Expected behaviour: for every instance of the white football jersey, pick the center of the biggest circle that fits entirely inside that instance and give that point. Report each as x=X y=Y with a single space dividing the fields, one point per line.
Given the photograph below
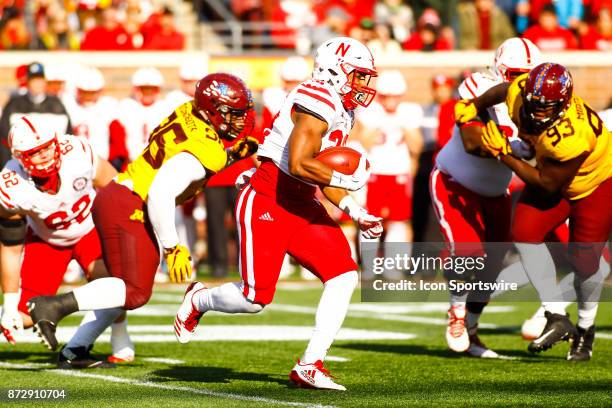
x=485 y=176
x=138 y=121
x=62 y=218
x=320 y=99
x=93 y=122
x=391 y=156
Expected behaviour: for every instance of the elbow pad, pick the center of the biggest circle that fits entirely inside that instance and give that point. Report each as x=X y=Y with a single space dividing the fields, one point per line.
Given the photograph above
x=12 y=232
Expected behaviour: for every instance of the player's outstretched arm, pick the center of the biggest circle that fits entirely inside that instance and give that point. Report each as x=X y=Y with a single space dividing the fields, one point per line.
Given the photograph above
x=552 y=175
x=171 y=180
x=105 y=172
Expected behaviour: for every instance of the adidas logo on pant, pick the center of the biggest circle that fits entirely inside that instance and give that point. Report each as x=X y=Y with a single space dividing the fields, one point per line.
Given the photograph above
x=266 y=217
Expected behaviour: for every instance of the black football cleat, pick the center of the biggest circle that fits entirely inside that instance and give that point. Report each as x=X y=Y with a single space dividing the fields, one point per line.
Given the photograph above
x=46 y=312
x=80 y=358
x=558 y=328
x=582 y=344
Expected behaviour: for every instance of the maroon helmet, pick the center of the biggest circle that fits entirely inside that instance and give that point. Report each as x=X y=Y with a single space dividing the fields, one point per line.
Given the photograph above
x=546 y=95
x=226 y=102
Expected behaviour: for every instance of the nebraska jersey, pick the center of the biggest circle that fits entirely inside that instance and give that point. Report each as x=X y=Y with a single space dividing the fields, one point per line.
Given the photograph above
x=482 y=175
x=93 y=122
x=580 y=130
x=322 y=101
x=138 y=121
x=63 y=218
x=182 y=131
x=391 y=156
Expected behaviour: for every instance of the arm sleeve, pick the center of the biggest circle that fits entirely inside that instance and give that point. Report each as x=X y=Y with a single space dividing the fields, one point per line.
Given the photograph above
x=166 y=186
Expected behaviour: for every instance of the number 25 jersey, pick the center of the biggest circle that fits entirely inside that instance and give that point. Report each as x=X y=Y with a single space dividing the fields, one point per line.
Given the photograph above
x=579 y=130
x=183 y=131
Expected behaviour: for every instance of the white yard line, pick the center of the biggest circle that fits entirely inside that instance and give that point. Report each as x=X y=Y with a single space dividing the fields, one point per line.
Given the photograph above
x=163 y=360
x=375 y=316
x=607 y=336
x=337 y=359
x=209 y=333
x=148 y=384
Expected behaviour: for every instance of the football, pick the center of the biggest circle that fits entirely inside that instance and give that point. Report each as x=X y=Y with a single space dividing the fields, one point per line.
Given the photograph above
x=340 y=158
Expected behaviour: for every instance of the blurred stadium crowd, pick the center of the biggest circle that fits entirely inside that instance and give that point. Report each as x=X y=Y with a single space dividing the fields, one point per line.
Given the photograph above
x=386 y=26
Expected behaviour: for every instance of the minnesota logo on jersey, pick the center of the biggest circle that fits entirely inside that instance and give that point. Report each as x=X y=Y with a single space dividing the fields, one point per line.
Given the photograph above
x=580 y=130
x=182 y=131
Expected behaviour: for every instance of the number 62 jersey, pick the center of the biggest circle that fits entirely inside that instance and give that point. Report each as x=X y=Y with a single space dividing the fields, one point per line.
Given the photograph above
x=59 y=219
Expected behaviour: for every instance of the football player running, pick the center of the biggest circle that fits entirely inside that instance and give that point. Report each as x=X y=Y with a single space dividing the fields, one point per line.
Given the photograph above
x=277 y=212
x=572 y=180
x=136 y=209
x=469 y=191
x=49 y=186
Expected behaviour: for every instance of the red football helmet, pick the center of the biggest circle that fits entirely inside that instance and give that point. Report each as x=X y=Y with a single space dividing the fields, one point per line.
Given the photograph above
x=226 y=102
x=546 y=95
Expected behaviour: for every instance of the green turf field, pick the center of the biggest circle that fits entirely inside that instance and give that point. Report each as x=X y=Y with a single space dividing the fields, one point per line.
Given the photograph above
x=406 y=364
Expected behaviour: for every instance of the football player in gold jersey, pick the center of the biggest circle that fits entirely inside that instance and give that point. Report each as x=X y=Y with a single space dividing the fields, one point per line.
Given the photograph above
x=137 y=209
x=572 y=180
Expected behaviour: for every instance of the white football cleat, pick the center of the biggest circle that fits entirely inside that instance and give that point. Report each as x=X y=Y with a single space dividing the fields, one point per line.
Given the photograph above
x=188 y=316
x=313 y=376
x=533 y=327
x=477 y=348
x=457 y=336
x=123 y=348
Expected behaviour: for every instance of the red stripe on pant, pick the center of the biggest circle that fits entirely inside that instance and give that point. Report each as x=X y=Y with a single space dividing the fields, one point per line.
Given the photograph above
x=241 y=207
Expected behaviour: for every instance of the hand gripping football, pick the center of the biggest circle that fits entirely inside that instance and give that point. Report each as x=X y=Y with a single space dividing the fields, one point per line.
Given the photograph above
x=342 y=159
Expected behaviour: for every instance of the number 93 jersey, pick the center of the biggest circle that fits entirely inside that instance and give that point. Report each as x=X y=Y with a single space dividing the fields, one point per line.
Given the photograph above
x=579 y=130
x=183 y=131
x=63 y=218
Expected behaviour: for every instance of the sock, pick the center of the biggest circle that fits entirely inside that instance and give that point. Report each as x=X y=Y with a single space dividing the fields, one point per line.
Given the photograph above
x=458 y=300
x=512 y=273
x=540 y=269
x=226 y=298
x=471 y=320
x=103 y=293
x=588 y=292
x=120 y=338
x=587 y=312
x=331 y=312
x=93 y=324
